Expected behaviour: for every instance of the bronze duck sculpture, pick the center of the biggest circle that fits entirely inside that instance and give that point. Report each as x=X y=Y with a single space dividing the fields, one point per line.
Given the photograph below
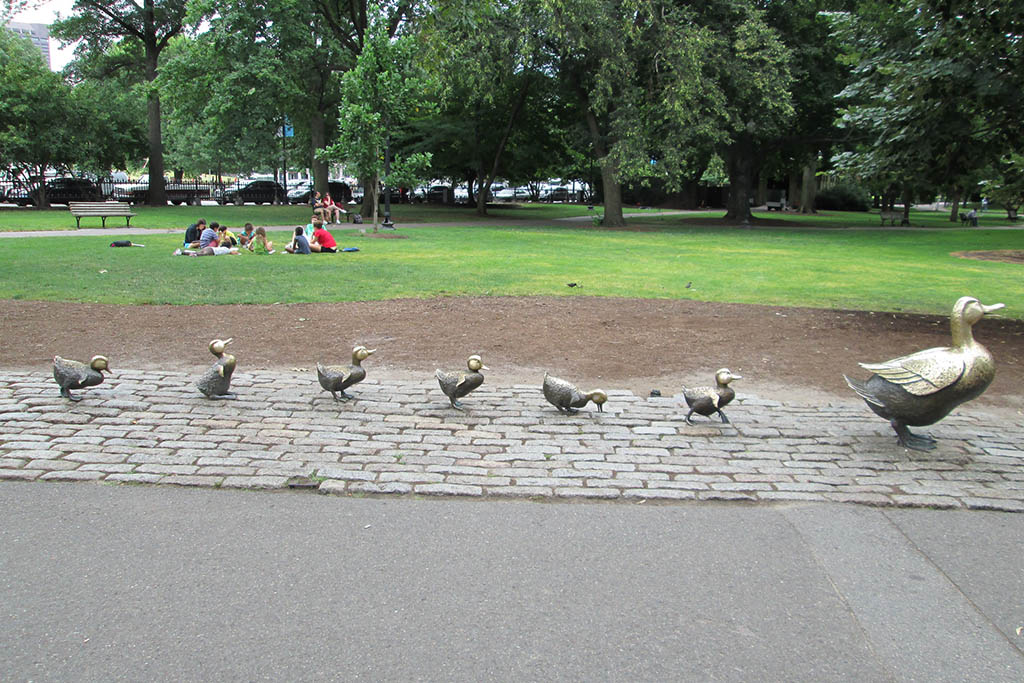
x=456 y=385
x=707 y=401
x=216 y=381
x=73 y=374
x=337 y=378
x=567 y=398
x=922 y=388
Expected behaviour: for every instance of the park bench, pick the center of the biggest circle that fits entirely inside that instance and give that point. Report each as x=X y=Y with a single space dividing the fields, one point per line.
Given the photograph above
x=892 y=217
x=81 y=210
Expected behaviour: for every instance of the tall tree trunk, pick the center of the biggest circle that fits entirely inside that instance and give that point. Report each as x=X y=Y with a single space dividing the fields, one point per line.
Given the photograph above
x=793 y=195
x=762 y=189
x=740 y=165
x=157 y=195
x=954 y=212
x=376 y=200
x=907 y=199
x=809 y=186
x=481 y=202
x=609 y=177
x=318 y=140
x=369 y=206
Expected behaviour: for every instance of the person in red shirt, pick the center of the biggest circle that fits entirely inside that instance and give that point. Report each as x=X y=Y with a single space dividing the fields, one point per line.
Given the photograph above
x=322 y=242
x=332 y=212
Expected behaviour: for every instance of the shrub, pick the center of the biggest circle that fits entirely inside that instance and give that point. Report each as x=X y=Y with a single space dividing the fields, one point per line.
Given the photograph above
x=843 y=197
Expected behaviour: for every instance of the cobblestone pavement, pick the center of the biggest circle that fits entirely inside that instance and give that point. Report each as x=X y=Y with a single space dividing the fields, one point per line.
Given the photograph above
x=401 y=437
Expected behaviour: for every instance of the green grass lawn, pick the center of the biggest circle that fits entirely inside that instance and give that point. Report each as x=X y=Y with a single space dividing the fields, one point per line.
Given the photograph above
x=879 y=270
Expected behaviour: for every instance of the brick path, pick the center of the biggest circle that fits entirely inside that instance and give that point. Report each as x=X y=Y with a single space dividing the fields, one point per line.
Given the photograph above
x=401 y=437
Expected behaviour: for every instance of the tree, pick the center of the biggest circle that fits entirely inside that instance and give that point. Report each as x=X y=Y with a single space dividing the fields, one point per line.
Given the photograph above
x=37 y=121
x=818 y=75
x=380 y=94
x=937 y=94
x=347 y=22
x=1005 y=184
x=151 y=24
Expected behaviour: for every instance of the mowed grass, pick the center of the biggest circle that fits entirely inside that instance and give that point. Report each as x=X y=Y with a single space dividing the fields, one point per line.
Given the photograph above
x=878 y=270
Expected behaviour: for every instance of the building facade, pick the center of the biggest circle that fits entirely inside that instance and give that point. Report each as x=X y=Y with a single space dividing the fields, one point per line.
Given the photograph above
x=39 y=34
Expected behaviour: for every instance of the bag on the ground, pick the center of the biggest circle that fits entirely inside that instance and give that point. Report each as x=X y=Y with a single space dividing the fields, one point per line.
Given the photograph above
x=357 y=218
x=121 y=243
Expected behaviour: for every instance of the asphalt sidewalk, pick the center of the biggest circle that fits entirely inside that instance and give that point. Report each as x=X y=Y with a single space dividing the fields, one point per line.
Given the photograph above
x=168 y=583
x=401 y=437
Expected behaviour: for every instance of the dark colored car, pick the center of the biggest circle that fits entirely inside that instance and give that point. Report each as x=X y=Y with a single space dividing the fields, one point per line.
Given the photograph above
x=255 y=191
x=59 y=191
x=440 y=194
x=340 y=192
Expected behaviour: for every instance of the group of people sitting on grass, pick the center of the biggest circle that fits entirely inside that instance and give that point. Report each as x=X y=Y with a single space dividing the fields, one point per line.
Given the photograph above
x=216 y=240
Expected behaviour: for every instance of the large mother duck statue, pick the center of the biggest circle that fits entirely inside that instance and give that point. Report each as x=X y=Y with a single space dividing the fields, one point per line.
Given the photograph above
x=922 y=388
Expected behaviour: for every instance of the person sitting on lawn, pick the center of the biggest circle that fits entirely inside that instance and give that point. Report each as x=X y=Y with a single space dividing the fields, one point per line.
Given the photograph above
x=323 y=242
x=208 y=237
x=259 y=244
x=246 y=235
x=193 y=232
x=226 y=238
x=299 y=243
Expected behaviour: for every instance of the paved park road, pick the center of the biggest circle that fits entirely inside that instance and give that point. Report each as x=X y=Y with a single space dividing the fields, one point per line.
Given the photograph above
x=104 y=583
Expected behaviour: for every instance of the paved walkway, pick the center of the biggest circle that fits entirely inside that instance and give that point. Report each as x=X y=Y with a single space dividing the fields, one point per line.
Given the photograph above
x=401 y=437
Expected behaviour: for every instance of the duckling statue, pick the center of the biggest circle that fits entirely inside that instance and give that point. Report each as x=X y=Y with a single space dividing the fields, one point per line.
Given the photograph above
x=456 y=385
x=567 y=398
x=337 y=378
x=922 y=388
x=72 y=374
x=216 y=382
x=707 y=401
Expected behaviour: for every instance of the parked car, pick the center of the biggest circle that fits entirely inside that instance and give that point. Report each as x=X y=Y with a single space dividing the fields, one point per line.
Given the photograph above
x=440 y=194
x=255 y=191
x=340 y=192
x=512 y=194
x=58 y=191
x=298 y=192
x=191 y=193
x=556 y=194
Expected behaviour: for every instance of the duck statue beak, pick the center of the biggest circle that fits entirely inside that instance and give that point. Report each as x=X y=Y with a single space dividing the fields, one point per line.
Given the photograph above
x=993 y=307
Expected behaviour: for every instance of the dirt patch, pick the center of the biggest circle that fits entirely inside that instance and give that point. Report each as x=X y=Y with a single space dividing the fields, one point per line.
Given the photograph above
x=797 y=354
x=1004 y=255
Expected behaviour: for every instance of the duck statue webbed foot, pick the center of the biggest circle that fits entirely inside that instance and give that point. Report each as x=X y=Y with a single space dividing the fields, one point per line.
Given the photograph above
x=215 y=383
x=707 y=401
x=567 y=398
x=73 y=374
x=922 y=388
x=908 y=439
x=456 y=385
x=337 y=378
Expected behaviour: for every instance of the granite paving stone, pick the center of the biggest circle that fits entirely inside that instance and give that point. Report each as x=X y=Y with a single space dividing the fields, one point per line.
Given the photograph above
x=399 y=437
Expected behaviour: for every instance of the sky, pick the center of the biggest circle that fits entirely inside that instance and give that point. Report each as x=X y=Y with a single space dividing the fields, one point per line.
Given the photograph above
x=46 y=13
